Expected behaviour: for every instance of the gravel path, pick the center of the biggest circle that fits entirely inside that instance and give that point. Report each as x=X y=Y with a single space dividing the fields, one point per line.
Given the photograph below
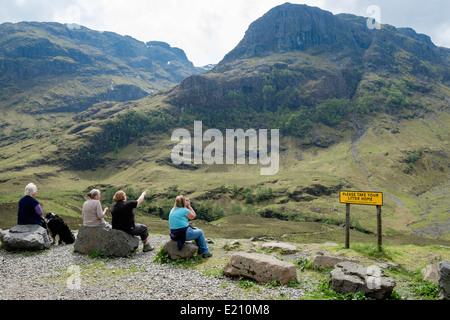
x=61 y=274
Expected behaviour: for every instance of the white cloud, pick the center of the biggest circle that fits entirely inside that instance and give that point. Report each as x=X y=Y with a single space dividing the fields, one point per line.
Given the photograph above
x=442 y=35
x=20 y=3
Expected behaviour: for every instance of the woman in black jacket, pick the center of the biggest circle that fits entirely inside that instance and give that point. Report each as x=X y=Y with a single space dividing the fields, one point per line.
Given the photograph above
x=123 y=217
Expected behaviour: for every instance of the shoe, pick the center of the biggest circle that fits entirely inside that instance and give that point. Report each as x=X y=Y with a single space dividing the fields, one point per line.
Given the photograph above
x=148 y=247
x=207 y=255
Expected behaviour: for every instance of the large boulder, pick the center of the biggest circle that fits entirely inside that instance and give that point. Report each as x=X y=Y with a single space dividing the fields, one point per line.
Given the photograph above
x=349 y=277
x=28 y=237
x=187 y=252
x=430 y=273
x=283 y=247
x=444 y=280
x=260 y=267
x=327 y=261
x=107 y=242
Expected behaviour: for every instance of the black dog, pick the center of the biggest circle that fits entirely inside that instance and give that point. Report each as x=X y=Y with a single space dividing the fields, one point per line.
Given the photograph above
x=58 y=228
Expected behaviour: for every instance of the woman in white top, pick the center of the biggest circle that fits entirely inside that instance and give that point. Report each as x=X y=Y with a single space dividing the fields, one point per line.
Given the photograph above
x=92 y=213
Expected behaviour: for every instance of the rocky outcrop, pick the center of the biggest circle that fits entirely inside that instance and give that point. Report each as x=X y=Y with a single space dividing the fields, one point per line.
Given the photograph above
x=105 y=242
x=349 y=277
x=260 y=267
x=309 y=193
x=28 y=237
x=430 y=273
x=291 y=27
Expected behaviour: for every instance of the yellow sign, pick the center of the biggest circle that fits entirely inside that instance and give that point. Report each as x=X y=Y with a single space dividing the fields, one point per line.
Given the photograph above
x=361 y=197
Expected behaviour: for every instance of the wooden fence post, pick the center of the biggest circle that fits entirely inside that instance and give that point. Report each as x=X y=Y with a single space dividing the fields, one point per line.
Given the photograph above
x=347 y=226
x=380 y=244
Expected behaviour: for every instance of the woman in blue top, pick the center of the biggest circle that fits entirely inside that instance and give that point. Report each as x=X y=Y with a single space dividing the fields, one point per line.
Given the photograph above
x=180 y=229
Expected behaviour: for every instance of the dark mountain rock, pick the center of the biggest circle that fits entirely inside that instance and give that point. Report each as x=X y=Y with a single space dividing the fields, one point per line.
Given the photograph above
x=305 y=65
x=79 y=67
x=292 y=27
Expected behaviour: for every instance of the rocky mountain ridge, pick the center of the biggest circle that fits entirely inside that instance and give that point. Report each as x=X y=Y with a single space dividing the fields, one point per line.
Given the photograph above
x=52 y=67
x=296 y=55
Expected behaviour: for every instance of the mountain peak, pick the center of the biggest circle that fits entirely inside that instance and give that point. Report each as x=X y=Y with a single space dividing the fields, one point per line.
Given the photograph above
x=96 y=66
x=289 y=27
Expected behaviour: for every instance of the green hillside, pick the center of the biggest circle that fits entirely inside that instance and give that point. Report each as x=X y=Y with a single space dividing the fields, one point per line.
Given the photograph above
x=357 y=109
x=50 y=67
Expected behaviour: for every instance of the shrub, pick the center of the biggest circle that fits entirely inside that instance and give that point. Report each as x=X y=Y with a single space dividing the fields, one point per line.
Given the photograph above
x=236 y=209
x=249 y=198
x=173 y=192
x=161 y=208
x=426 y=290
x=235 y=191
x=331 y=112
x=263 y=194
x=412 y=158
x=208 y=211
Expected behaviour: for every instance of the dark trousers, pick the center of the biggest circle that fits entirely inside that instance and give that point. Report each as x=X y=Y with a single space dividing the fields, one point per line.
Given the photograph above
x=140 y=230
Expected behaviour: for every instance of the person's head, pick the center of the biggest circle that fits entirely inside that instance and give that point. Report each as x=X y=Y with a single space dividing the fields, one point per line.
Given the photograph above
x=94 y=194
x=119 y=196
x=180 y=202
x=31 y=190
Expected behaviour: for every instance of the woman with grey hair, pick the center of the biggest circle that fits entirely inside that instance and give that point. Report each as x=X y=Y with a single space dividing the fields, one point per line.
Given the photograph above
x=92 y=213
x=30 y=211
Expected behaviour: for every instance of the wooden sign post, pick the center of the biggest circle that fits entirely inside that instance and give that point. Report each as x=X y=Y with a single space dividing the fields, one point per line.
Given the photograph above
x=365 y=198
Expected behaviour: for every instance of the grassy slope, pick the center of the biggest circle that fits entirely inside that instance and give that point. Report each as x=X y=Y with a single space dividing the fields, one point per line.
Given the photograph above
x=416 y=194
x=145 y=166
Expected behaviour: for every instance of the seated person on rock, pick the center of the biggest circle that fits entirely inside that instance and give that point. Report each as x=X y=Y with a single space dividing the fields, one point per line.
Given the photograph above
x=123 y=217
x=30 y=211
x=181 y=230
x=92 y=213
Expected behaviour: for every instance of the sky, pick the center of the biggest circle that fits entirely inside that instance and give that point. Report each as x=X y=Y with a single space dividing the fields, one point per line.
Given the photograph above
x=208 y=29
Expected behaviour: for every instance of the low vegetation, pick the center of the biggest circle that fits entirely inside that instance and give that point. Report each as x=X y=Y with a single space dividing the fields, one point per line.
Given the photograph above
x=315 y=281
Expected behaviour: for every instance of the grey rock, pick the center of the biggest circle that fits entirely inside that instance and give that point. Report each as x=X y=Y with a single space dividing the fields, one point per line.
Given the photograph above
x=260 y=267
x=430 y=273
x=444 y=280
x=187 y=252
x=328 y=261
x=25 y=237
x=258 y=238
x=349 y=277
x=110 y=243
x=284 y=247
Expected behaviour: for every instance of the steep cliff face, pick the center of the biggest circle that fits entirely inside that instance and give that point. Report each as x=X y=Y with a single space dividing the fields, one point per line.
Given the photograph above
x=296 y=58
x=293 y=27
x=45 y=66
